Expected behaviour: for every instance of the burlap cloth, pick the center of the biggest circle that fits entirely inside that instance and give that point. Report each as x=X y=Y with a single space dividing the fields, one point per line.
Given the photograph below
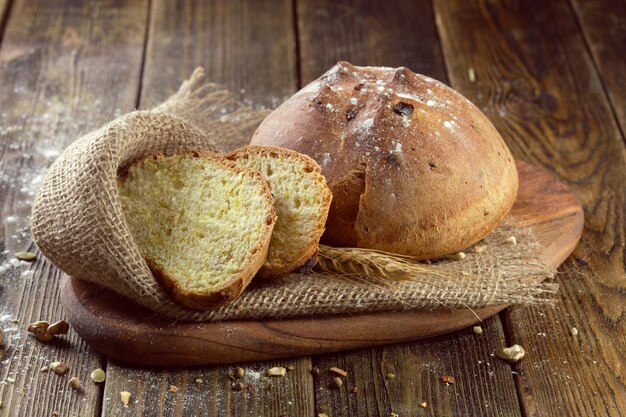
x=77 y=222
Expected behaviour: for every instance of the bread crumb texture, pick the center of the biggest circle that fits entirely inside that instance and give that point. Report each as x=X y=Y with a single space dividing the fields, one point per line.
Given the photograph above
x=302 y=200
x=197 y=218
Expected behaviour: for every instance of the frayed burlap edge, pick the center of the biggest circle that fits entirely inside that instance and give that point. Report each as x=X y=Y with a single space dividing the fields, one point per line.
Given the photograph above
x=78 y=224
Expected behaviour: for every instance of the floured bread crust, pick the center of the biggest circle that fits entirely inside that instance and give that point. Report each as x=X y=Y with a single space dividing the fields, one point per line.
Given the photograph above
x=414 y=167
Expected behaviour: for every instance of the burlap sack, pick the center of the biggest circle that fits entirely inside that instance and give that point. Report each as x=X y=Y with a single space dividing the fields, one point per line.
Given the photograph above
x=78 y=224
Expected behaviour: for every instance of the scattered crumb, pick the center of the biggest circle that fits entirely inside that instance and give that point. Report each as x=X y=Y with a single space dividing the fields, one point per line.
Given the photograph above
x=424 y=404
x=239 y=372
x=574 y=331
x=477 y=329
x=448 y=379
x=125 y=397
x=98 y=375
x=199 y=381
x=338 y=371
x=354 y=390
x=459 y=256
x=276 y=371
x=315 y=371
x=480 y=248
x=471 y=74
x=336 y=383
x=512 y=240
x=390 y=376
x=56 y=413
x=10 y=380
x=290 y=367
x=45 y=368
x=74 y=382
x=513 y=353
x=59 y=367
x=322 y=415
x=393 y=415
x=368 y=123
x=173 y=388
x=238 y=386
x=26 y=256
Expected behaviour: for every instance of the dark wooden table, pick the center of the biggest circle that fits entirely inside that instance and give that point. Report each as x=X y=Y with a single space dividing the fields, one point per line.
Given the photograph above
x=551 y=75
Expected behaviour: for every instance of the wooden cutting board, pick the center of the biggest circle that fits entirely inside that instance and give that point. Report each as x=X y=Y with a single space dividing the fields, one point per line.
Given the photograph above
x=121 y=330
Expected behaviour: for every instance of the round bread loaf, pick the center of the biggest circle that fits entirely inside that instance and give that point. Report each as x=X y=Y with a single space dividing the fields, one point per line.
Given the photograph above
x=414 y=167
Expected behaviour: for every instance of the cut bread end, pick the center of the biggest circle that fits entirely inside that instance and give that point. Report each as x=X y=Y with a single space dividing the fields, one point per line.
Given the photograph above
x=202 y=224
x=302 y=200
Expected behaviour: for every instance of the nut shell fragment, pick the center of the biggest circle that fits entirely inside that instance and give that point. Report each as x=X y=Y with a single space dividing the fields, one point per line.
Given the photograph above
x=74 y=382
x=45 y=331
x=59 y=367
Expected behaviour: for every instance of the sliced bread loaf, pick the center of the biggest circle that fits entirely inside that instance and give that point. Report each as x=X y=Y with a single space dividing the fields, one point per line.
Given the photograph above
x=202 y=224
x=302 y=201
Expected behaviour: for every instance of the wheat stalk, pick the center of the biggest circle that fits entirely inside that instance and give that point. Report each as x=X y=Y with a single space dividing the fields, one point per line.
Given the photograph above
x=378 y=265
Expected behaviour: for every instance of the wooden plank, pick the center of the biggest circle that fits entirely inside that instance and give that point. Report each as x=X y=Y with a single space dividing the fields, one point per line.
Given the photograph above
x=400 y=34
x=246 y=45
x=65 y=67
x=537 y=83
x=5 y=8
x=209 y=391
x=362 y=32
x=603 y=24
x=399 y=379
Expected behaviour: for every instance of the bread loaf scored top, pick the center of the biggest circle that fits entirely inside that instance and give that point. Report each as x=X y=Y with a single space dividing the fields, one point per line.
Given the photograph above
x=414 y=167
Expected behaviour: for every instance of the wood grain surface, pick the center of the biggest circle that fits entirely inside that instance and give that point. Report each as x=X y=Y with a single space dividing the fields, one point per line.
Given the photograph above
x=127 y=332
x=64 y=67
x=603 y=23
x=196 y=392
x=362 y=32
x=248 y=46
x=4 y=15
x=537 y=83
x=398 y=380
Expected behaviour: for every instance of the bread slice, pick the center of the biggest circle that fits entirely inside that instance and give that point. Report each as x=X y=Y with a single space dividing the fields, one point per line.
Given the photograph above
x=202 y=224
x=302 y=201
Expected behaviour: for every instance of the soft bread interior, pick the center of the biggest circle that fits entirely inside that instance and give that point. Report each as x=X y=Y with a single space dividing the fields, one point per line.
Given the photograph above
x=302 y=200
x=197 y=220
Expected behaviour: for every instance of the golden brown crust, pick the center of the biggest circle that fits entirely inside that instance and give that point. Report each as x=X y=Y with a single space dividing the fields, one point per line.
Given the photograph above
x=414 y=167
x=294 y=260
x=230 y=289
